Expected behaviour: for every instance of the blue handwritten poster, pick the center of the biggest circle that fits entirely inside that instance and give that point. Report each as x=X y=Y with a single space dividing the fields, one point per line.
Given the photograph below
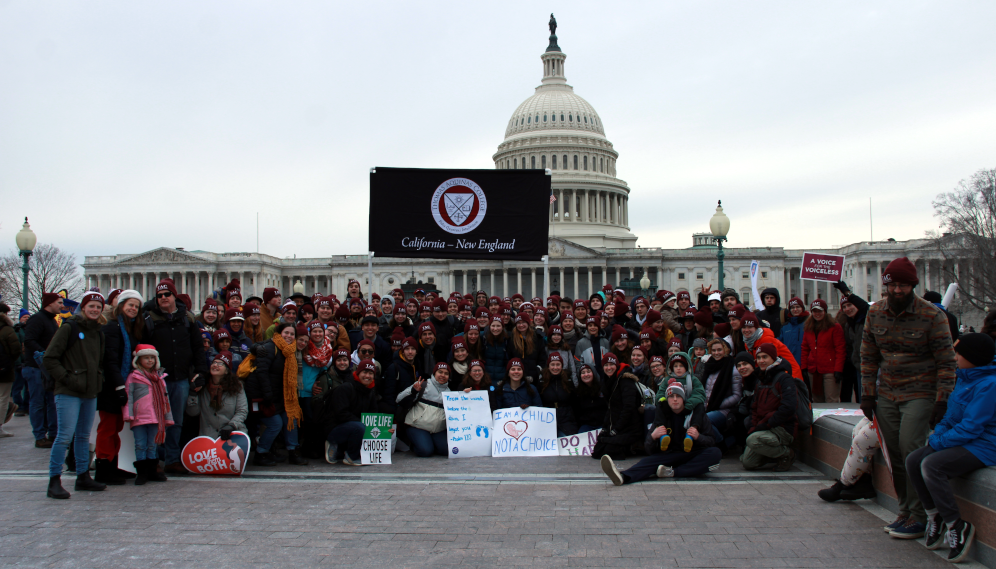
x=468 y=423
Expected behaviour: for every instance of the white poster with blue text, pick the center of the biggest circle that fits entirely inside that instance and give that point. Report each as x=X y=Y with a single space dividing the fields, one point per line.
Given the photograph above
x=525 y=432
x=468 y=423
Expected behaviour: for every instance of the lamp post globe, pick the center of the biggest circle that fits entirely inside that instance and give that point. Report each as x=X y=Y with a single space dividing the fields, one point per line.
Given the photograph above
x=645 y=283
x=298 y=287
x=719 y=225
x=25 y=240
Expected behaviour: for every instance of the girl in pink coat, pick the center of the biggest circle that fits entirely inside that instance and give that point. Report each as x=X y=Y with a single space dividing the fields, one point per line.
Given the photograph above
x=147 y=411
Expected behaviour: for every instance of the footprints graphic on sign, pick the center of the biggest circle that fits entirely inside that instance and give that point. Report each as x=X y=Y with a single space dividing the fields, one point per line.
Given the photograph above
x=482 y=431
x=516 y=429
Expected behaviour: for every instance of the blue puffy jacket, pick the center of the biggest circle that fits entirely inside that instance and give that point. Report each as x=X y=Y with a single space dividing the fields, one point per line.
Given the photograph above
x=526 y=394
x=791 y=334
x=970 y=421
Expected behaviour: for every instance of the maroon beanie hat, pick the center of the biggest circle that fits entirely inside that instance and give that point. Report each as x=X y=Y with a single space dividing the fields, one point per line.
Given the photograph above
x=580 y=304
x=703 y=318
x=676 y=342
x=224 y=357
x=648 y=334
x=315 y=324
x=722 y=329
x=749 y=319
x=652 y=316
x=409 y=342
x=397 y=337
x=441 y=365
x=166 y=285
x=737 y=312
x=610 y=358
x=554 y=357
x=221 y=334
x=269 y=293
x=340 y=353
x=768 y=349
x=618 y=332
x=512 y=363
x=426 y=327
x=366 y=365
x=683 y=295
x=471 y=325
x=90 y=296
x=818 y=304
x=342 y=312
x=458 y=343
x=900 y=270
x=555 y=329
x=796 y=301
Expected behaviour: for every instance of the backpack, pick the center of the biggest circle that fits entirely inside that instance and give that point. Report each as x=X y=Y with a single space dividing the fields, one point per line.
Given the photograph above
x=803 y=406
x=6 y=362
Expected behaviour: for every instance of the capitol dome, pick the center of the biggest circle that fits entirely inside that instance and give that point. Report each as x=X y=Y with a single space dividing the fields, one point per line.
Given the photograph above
x=558 y=130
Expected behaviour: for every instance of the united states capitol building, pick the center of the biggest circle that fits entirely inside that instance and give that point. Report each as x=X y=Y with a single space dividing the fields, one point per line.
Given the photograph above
x=590 y=241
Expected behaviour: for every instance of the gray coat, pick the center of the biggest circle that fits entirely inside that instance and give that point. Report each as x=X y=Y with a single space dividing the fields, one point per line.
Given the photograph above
x=234 y=409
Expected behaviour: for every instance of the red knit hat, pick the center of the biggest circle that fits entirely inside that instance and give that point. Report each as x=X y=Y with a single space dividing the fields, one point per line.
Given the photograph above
x=703 y=318
x=769 y=349
x=796 y=301
x=618 y=332
x=397 y=337
x=250 y=309
x=737 y=312
x=610 y=358
x=652 y=316
x=224 y=357
x=234 y=314
x=166 y=285
x=554 y=357
x=648 y=334
x=269 y=293
x=458 y=343
x=749 y=319
x=900 y=270
x=722 y=329
x=818 y=304
x=91 y=296
x=513 y=363
x=471 y=325
x=683 y=295
x=426 y=327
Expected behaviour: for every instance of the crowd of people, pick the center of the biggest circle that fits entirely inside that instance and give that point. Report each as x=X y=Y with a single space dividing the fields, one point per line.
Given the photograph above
x=676 y=382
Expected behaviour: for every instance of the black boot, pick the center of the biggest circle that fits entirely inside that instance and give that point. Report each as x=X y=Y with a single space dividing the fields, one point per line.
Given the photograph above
x=84 y=482
x=294 y=457
x=121 y=473
x=105 y=472
x=143 y=472
x=863 y=488
x=55 y=489
x=153 y=474
x=263 y=459
x=832 y=494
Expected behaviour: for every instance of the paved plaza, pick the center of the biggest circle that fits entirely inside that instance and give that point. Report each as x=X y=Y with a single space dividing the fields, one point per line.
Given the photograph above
x=537 y=512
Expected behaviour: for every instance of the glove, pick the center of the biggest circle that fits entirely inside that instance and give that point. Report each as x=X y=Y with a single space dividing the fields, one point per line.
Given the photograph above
x=838 y=376
x=805 y=378
x=122 y=395
x=940 y=408
x=868 y=405
x=198 y=383
x=225 y=433
x=842 y=287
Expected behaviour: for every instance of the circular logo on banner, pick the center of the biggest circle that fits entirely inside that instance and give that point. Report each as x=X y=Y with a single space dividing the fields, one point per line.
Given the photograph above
x=459 y=205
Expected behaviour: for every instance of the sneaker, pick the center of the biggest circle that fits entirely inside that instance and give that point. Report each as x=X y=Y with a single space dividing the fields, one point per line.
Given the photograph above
x=900 y=520
x=4 y=434
x=330 y=450
x=665 y=442
x=20 y=413
x=11 y=409
x=43 y=443
x=688 y=443
x=665 y=472
x=785 y=463
x=960 y=538
x=935 y=533
x=864 y=488
x=351 y=462
x=912 y=529
x=714 y=467
x=610 y=470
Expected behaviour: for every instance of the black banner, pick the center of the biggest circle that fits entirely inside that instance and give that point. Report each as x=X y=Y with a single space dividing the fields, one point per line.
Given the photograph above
x=459 y=214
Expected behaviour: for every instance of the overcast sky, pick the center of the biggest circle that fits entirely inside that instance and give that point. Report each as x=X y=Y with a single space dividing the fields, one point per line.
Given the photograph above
x=125 y=126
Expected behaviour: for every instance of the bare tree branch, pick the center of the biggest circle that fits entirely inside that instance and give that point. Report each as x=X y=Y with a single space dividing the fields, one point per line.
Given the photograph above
x=968 y=217
x=52 y=270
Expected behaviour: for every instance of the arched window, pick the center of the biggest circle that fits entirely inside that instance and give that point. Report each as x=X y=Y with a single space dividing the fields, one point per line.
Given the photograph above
x=561 y=117
x=601 y=165
x=543 y=162
x=515 y=163
x=537 y=118
x=575 y=161
x=507 y=164
x=586 y=119
x=553 y=159
x=553 y=117
x=570 y=118
x=565 y=161
x=585 y=162
x=544 y=117
x=533 y=165
x=529 y=120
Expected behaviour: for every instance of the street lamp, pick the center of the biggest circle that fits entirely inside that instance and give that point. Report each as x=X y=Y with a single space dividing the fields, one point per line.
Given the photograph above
x=25 y=240
x=298 y=287
x=720 y=226
x=645 y=284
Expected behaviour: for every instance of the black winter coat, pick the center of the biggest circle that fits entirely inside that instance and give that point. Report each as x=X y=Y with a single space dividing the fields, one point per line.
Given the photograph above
x=114 y=354
x=445 y=330
x=675 y=423
x=555 y=396
x=177 y=338
x=38 y=332
x=398 y=376
x=590 y=406
x=774 y=399
x=495 y=358
x=345 y=404
x=268 y=381
x=623 y=419
x=773 y=314
x=532 y=361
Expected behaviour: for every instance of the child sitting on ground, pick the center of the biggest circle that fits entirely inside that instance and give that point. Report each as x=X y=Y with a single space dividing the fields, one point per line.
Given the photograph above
x=147 y=411
x=679 y=368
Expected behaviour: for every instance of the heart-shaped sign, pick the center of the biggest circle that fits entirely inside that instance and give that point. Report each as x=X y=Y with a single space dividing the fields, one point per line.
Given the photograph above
x=516 y=429
x=204 y=455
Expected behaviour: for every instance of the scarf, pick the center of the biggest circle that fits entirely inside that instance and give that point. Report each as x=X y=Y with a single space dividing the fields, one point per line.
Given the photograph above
x=160 y=403
x=215 y=391
x=291 y=406
x=723 y=383
x=371 y=386
x=318 y=356
x=460 y=368
x=429 y=365
x=126 y=356
x=569 y=335
x=749 y=342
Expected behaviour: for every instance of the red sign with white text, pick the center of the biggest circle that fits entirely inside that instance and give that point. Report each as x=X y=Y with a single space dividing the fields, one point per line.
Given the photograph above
x=821 y=267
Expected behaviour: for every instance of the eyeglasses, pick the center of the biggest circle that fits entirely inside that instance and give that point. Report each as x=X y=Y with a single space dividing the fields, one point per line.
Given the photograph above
x=898 y=286
x=366 y=352
x=164 y=295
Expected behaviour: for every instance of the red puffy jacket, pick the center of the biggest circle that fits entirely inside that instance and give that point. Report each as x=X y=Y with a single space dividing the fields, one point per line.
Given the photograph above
x=824 y=353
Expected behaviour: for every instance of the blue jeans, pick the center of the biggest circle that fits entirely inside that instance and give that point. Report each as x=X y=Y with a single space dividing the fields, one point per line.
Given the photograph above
x=19 y=391
x=425 y=443
x=145 y=441
x=177 y=392
x=44 y=423
x=272 y=429
x=75 y=422
x=290 y=437
x=348 y=436
x=718 y=420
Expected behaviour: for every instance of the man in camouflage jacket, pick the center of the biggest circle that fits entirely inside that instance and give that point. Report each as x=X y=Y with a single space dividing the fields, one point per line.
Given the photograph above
x=908 y=371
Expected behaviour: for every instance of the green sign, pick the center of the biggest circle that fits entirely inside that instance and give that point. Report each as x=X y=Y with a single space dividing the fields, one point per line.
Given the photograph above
x=376 y=447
